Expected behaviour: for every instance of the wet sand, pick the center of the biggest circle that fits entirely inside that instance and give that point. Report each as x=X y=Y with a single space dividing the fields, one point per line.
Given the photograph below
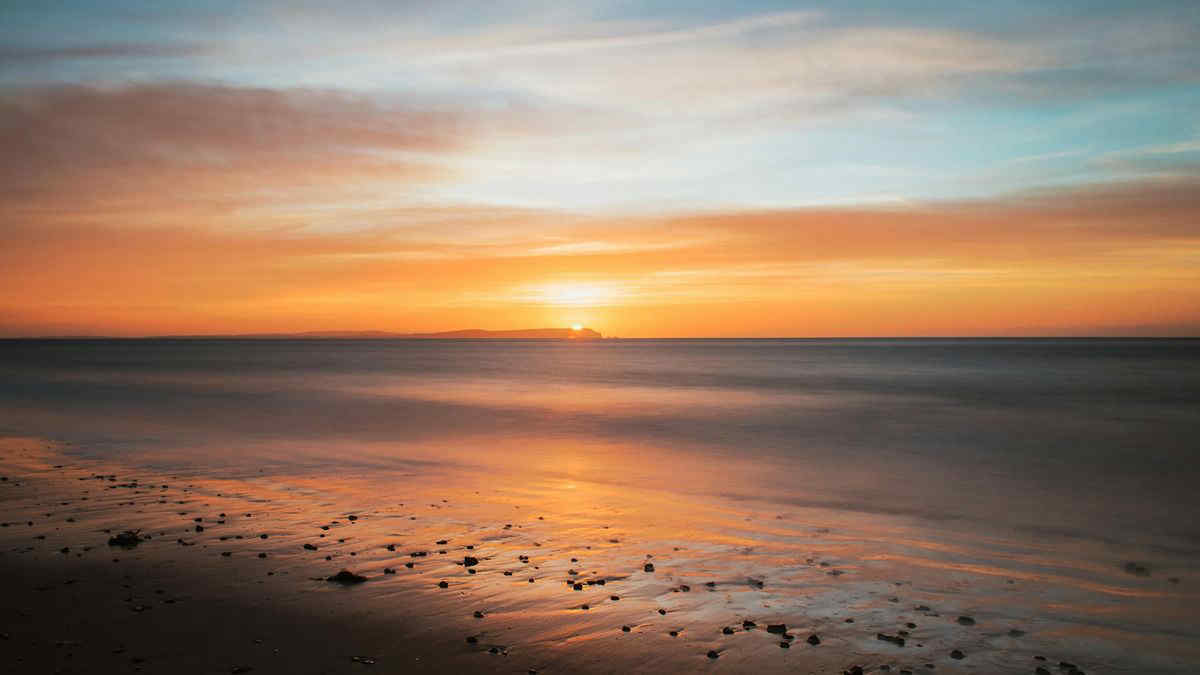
x=541 y=574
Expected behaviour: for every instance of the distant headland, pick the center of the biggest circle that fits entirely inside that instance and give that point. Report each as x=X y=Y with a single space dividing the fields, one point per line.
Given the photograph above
x=468 y=334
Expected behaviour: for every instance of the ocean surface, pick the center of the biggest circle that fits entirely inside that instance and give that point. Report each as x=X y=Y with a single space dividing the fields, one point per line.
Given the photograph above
x=1057 y=461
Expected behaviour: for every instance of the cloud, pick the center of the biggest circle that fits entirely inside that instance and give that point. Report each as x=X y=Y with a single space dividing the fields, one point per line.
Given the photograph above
x=1106 y=255
x=89 y=150
x=25 y=56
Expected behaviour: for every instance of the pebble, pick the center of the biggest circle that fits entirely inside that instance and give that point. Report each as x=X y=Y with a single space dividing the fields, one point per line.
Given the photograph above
x=813 y=640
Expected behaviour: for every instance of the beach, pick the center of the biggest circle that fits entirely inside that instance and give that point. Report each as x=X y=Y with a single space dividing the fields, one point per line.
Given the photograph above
x=564 y=552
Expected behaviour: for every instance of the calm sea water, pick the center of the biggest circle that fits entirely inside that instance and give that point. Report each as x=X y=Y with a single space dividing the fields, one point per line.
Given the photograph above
x=1085 y=438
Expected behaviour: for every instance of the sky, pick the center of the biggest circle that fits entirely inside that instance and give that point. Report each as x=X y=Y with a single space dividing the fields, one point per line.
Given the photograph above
x=648 y=169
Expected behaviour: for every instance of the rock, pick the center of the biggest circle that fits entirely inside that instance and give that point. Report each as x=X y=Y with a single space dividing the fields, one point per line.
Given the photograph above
x=1014 y=632
x=727 y=630
x=409 y=565
x=894 y=639
x=262 y=536
x=351 y=517
x=778 y=628
x=648 y=567
x=1137 y=569
x=471 y=639
x=748 y=624
x=226 y=554
x=813 y=640
x=443 y=584
x=1041 y=671
x=389 y=570
x=309 y=547
x=478 y=614
x=966 y=621
x=673 y=633
x=957 y=655
x=614 y=598
x=262 y=555
x=712 y=654
x=470 y=561
x=685 y=588
x=853 y=670
x=785 y=644
x=662 y=612
x=625 y=629
x=347 y=577
x=199 y=528
x=365 y=660
x=578 y=587
x=127 y=539
x=585 y=607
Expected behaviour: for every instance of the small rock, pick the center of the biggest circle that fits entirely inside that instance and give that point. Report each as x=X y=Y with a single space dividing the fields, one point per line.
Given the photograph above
x=785 y=644
x=957 y=655
x=813 y=640
x=727 y=630
x=712 y=654
x=894 y=639
x=648 y=567
x=470 y=561
x=748 y=624
x=347 y=577
x=309 y=547
x=443 y=584
x=625 y=629
x=778 y=628
x=966 y=621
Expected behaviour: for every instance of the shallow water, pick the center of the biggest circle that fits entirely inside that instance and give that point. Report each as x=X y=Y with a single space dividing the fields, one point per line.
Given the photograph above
x=1011 y=480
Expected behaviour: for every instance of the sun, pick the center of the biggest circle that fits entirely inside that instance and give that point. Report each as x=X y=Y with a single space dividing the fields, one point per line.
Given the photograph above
x=576 y=326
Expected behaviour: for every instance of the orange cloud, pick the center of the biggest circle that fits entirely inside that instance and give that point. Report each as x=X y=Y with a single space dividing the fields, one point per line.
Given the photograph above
x=1105 y=259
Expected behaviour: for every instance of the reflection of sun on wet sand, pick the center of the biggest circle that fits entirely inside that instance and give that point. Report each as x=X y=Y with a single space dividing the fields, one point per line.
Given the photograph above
x=115 y=570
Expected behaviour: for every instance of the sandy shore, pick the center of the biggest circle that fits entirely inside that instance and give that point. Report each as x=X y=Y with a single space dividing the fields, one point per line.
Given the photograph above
x=230 y=573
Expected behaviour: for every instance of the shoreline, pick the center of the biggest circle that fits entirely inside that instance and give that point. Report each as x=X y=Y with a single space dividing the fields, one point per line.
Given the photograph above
x=76 y=608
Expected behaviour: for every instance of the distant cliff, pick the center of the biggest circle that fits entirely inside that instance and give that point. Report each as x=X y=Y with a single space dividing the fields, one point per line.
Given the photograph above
x=469 y=334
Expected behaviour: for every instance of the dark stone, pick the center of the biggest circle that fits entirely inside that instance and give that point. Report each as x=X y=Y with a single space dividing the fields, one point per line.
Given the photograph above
x=347 y=577
x=470 y=561
x=388 y=570
x=391 y=547
x=226 y=554
x=894 y=639
x=648 y=567
x=614 y=598
x=966 y=621
x=625 y=629
x=478 y=614
x=1137 y=569
x=409 y=564
x=199 y=528
x=1041 y=671
x=663 y=612
x=685 y=588
x=785 y=644
x=673 y=633
x=471 y=639
x=309 y=547
x=813 y=640
x=727 y=630
x=441 y=542
x=778 y=628
x=748 y=624
x=127 y=539
x=712 y=654
x=443 y=584
x=957 y=655
x=351 y=517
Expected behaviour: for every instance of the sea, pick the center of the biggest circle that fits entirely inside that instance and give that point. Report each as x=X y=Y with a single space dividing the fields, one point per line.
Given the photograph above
x=1066 y=472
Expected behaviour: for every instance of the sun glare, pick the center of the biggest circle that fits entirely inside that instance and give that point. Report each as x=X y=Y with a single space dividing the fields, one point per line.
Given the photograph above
x=576 y=326
x=577 y=295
